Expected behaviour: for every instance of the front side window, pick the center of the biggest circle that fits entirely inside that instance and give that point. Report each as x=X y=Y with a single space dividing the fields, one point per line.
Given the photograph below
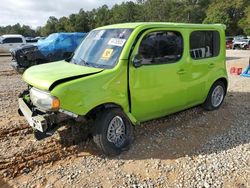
x=204 y=44
x=13 y=40
x=101 y=48
x=161 y=47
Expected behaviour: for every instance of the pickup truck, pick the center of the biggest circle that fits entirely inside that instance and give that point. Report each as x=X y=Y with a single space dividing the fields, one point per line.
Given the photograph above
x=7 y=42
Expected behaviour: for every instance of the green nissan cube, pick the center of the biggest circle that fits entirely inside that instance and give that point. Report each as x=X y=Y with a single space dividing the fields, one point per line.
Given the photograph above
x=125 y=74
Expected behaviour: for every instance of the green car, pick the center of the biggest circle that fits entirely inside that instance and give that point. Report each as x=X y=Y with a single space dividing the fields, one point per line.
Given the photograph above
x=125 y=74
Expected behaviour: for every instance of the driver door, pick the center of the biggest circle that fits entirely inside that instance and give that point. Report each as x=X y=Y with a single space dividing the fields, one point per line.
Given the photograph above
x=157 y=87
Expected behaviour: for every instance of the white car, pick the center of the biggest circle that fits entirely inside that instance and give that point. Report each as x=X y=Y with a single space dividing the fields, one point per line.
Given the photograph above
x=241 y=43
x=8 y=42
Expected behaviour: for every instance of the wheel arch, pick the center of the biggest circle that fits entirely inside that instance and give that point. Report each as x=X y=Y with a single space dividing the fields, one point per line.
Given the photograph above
x=222 y=79
x=225 y=81
x=92 y=113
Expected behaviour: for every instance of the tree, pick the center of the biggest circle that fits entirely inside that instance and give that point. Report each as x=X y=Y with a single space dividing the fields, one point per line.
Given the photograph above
x=61 y=26
x=18 y=29
x=235 y=14
x=227 y=12
x=102 y=16
x=156 y=10
x=81 y=22
x=126 y=12
x=244 y=23
x=50 y=26
x=189 y=11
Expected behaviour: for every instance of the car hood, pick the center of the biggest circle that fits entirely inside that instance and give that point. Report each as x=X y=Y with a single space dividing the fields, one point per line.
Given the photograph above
x=47 y=76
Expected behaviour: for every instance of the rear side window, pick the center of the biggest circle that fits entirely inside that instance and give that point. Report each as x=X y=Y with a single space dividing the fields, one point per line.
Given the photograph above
x=204 y=44
x=161 y=47
x=13 y=40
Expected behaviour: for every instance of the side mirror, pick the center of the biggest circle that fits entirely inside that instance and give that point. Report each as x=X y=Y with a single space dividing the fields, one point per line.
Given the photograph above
x=137 y=62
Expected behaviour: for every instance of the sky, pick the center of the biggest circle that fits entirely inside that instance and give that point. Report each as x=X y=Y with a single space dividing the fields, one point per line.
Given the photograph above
x=36 y=12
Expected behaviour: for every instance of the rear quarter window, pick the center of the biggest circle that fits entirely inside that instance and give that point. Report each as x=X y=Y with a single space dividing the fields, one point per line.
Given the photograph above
x=204 y=44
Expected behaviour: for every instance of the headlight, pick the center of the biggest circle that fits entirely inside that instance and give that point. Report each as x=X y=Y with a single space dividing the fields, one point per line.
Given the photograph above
x=44 y=100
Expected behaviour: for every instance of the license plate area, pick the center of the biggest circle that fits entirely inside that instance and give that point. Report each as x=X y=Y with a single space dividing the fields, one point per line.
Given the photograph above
x=37 y=122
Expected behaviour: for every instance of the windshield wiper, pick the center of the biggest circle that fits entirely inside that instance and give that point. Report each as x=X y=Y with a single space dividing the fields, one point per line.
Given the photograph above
x=84 y=62
x=90 y=64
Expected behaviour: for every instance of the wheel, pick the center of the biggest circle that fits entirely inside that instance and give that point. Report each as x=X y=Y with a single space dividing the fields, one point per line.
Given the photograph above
x=215 y=96
x=112 y=132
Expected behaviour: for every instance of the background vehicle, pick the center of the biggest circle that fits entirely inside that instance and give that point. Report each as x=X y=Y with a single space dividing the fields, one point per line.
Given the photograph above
x=31 y=40
x=229 y=42
x=55 y=47
x=126 y=74
x=243 y=43
x=7 y=42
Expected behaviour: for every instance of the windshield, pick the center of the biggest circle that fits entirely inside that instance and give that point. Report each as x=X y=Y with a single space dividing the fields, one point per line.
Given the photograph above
x=101 y=48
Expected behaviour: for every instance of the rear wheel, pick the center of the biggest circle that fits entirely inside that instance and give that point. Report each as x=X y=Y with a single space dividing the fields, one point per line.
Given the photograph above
x=215 y=96
x=112 y=131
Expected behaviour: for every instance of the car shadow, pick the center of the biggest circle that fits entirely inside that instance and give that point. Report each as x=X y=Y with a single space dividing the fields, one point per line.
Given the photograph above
x=232 y=58
x=3 y=184
x=191 y=132
x=5 y=54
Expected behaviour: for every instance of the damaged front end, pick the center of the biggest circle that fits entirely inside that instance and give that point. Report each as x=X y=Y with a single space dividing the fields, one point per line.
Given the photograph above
x=25 y=57
x=44 y=122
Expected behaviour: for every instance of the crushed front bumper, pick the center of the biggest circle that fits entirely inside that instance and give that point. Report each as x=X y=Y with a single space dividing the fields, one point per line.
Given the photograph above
x=43 y=122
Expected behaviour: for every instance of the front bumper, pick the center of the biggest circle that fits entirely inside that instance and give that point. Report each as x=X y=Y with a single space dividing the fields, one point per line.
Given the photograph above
x=43 y=122
x=16 y=67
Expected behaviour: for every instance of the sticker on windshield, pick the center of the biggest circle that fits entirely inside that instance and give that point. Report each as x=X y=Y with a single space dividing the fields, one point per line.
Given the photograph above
x=116 y=42
x=106 y=55
x=99 y=35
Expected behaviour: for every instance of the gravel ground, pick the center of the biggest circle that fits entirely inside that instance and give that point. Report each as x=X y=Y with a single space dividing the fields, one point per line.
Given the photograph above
x=193 y=148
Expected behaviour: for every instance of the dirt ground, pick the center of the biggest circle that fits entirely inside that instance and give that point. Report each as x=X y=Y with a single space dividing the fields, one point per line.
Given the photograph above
x=164 y=152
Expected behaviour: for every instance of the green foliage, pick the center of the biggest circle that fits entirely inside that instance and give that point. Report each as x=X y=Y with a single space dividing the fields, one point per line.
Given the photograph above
x=126 y=12
x=235 y=14
x=229 y=12
x=244 y=23
x=17 y=29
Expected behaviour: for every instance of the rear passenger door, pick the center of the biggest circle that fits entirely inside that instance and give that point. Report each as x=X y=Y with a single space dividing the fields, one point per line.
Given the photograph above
x=204 y=49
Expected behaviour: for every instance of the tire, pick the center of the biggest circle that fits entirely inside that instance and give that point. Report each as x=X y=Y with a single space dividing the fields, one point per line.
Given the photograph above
x=217 y=89
x=103 y=126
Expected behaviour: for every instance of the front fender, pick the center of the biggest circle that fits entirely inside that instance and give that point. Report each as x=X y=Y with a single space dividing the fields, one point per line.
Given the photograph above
x=82 y=95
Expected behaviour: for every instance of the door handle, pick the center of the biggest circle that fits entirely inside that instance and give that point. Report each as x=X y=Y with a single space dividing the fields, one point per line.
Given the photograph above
x=181 y=71
x=211 y=65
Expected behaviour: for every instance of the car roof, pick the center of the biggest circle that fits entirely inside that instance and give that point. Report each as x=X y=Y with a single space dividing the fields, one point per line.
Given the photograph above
x=11 y=36
x=162 y=24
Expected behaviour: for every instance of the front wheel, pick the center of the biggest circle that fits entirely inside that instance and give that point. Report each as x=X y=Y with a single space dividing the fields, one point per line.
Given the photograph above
x=112 y=131
x=215 y=96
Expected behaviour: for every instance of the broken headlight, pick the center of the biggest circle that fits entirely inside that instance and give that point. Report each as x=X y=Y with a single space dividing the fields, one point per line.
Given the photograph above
x=44 y=100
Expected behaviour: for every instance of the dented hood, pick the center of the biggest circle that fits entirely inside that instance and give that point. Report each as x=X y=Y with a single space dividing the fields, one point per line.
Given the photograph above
x=47 y=76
